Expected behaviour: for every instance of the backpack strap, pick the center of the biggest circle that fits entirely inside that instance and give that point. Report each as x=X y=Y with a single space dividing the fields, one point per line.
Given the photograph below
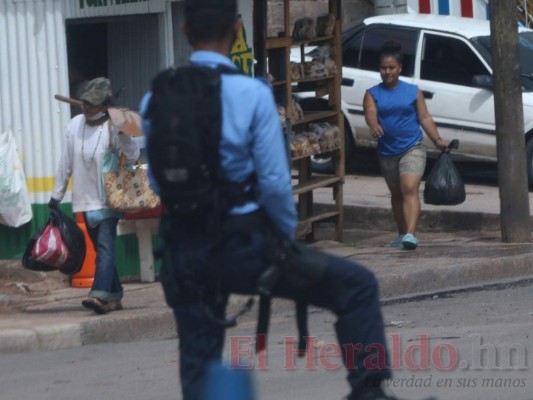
x=301 y=323
x=224 y=69
x=263 y=319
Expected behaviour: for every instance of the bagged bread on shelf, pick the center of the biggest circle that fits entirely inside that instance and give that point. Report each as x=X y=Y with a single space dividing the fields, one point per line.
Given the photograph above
x=330 y=66
x=304 y=144
x=313 y=139
x=297 y=112
x=282 y=115
x=304 y=29
x=315 y=69
x=325 y=24
x=299 y=145
x=328 y=135
x=325 y=55
x=297 y=71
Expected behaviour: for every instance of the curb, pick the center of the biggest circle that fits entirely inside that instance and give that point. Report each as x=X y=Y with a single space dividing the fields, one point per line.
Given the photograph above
x=53 y=337
x=456 y=277
x=119 y=329
x=155 y=326
x=430 y=220
x=160 y=325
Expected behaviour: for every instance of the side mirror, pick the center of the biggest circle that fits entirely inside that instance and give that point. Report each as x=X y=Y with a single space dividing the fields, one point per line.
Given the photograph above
x=483 y=81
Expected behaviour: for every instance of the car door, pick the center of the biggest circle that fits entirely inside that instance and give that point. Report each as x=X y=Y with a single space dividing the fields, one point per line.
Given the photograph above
x=361 y=57
x=461 y=111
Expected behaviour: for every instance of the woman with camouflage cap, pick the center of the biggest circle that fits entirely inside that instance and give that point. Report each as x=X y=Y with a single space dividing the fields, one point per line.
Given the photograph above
x=87 y=139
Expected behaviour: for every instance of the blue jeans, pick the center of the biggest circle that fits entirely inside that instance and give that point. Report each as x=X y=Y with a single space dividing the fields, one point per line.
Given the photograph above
x=106 y=284
x=348 y=290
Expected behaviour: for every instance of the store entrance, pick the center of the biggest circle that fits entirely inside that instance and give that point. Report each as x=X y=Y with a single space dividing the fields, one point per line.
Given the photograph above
x=87 y=56
x=126 y=49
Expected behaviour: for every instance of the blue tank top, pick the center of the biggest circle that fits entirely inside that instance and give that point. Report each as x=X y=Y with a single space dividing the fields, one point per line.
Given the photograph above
x=398 y=118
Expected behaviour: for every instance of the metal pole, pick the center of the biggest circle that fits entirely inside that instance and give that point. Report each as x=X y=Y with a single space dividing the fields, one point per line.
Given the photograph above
x=525 y=14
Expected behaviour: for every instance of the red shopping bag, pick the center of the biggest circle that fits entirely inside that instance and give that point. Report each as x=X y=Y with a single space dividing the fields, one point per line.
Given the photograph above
x=62 y=246
x=50 y=248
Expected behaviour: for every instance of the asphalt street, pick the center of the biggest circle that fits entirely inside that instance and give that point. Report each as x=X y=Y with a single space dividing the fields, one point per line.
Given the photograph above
x=454 y=346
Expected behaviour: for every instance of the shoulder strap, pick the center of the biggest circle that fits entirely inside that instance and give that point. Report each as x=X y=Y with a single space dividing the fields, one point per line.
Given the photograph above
x=110 y=132
x=301 y=323
x=263 y=320
x=262 y=323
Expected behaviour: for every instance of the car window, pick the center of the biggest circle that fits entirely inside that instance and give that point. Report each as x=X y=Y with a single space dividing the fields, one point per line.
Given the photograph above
x=350 y=51
x=351 y=45
x=449 y=60
x=375 y=38
x=525 y=46
x=525 y=42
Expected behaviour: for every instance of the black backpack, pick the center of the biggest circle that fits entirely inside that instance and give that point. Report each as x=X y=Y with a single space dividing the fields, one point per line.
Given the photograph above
x=185 y=113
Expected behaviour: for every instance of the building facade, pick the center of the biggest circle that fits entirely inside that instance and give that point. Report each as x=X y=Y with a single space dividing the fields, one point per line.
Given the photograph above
x=44 y=42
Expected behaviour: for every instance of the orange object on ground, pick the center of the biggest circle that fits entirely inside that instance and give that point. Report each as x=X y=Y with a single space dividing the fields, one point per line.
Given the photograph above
x=85 y=277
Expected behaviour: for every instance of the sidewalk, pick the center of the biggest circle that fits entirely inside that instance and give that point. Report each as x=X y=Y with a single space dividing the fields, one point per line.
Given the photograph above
x=367 y=202
x=40 y=312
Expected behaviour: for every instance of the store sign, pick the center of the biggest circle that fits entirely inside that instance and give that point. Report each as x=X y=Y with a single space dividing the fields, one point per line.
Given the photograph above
x=103 y=8
x=241 y=54
x=106 y=3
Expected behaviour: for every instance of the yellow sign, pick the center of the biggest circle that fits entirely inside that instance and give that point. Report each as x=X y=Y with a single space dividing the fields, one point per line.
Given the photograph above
x=241 y=54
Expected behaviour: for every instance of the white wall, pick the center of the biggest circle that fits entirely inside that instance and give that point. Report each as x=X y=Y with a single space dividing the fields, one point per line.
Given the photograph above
x=33 y=68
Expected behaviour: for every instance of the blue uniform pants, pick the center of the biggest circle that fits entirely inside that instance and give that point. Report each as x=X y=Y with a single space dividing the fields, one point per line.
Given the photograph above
x=349 y=290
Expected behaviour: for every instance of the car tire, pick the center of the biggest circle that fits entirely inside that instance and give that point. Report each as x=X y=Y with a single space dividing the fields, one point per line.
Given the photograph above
x=322 y=163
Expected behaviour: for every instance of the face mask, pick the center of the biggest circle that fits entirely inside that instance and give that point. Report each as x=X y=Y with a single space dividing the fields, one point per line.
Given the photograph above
x=96 y=116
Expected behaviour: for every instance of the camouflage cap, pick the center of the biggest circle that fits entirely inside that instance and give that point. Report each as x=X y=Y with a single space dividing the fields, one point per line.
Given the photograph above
x=98 y=91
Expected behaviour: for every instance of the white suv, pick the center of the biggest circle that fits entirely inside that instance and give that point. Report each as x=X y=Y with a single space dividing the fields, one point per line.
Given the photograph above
x=449 y=59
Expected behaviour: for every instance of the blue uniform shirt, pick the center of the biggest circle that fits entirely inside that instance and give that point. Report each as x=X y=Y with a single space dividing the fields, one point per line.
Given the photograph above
x=398 y=117
x=252 y=142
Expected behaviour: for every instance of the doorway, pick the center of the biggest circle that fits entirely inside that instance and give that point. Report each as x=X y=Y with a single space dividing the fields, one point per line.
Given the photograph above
x=126 y=49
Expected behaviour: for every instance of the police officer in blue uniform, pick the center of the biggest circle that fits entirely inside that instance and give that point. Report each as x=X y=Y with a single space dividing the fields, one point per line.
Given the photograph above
x=252 y=143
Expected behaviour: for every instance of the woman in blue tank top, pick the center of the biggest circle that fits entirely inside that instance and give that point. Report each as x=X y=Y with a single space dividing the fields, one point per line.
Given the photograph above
x=394 y=111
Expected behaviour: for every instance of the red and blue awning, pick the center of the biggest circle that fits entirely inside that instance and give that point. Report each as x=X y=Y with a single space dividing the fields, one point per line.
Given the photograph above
x=462 y=8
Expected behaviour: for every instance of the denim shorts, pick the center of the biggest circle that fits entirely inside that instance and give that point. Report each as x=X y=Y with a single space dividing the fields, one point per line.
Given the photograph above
x=413 y=161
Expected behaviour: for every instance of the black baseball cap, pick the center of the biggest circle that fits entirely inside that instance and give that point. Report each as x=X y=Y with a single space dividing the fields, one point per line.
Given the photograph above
x=227 y=7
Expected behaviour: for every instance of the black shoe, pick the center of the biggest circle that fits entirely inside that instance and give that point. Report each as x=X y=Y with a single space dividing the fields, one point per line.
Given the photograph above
x=101 y=307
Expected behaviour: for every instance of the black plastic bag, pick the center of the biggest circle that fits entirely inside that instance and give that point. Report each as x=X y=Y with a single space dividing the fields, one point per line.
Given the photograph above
x=444 y=185
x=73 y=238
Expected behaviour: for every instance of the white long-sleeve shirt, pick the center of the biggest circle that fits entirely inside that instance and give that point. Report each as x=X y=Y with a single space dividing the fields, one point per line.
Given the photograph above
x=82 y=158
